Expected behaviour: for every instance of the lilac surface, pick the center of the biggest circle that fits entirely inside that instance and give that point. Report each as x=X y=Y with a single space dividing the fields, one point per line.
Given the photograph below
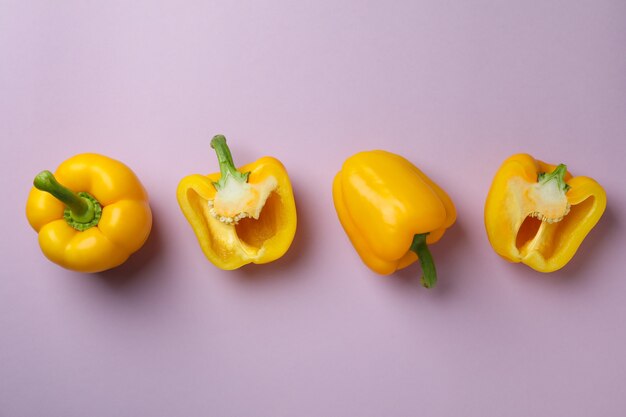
x=455 y=87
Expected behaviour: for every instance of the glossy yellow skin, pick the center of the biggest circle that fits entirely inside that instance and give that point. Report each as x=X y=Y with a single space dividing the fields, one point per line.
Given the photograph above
x=123 y=228
x=258 y=241
x=382 y=201
x=543 y=246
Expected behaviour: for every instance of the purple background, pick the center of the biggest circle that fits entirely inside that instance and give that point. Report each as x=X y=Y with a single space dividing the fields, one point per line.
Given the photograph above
x=455 y=87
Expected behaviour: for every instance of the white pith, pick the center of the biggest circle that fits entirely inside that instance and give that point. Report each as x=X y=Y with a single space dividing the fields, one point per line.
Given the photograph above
x=237 y=200
x=549 y=201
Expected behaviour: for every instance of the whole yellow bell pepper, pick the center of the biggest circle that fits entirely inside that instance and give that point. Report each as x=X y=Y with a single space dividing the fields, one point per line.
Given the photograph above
x=390 y=211
x=96 y=219
x=240 y=216
x=538 y=214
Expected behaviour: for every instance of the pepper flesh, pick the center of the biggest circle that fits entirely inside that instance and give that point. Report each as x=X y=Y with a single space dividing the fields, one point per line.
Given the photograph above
x=387 y=205
x=80 y=241
x=240 y=216
x=538 y=214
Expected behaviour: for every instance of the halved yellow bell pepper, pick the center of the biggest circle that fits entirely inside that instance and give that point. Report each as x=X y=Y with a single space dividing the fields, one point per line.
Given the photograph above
x=391 y=210
x=538 y=214
x=240 y=216
x=96 y=219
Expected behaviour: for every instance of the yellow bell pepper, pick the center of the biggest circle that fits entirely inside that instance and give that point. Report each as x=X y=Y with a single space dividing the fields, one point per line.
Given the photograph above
x=96 y=219
x=538 y=214
x=390 y=211
x=240 y=216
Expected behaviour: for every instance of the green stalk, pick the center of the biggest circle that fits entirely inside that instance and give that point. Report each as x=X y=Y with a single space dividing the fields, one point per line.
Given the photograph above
x=82 y=209
x=557 y=175
x=429 y=277
x=227 y=166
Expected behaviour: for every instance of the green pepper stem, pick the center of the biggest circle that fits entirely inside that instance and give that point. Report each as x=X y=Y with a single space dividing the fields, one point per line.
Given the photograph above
x=83 y=211
x=225 y=160
x=557 y=175
x=45 y=181
x=429 y=277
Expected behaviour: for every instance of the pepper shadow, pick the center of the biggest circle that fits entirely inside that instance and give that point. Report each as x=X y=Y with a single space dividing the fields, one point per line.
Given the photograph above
x=445 y=252
x=134 y=269
x=283 y=267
